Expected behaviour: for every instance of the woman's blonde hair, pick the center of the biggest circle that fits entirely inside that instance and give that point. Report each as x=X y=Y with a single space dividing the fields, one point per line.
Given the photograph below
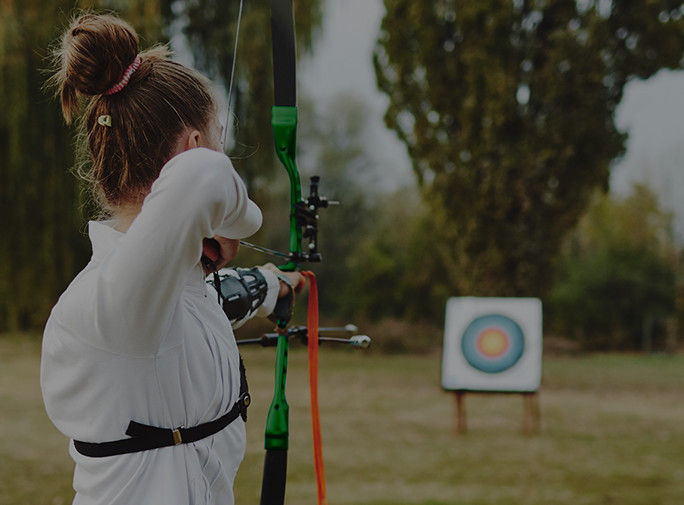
x=160 y=100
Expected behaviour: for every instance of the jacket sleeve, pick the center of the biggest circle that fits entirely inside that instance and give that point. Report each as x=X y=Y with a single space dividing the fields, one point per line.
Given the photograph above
x=198 y=194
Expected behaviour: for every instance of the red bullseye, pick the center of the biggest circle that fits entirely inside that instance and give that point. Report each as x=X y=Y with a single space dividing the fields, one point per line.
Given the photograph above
x=492 y=342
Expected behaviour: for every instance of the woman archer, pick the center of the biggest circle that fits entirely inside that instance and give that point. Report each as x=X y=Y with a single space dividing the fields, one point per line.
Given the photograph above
x=139 y=366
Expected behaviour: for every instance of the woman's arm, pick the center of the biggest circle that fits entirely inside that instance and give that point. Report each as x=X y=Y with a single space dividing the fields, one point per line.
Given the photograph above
x=245 y=293
x=197 y=195
x=249 y=292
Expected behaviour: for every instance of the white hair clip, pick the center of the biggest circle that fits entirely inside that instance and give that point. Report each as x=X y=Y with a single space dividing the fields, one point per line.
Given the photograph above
x=105 y=120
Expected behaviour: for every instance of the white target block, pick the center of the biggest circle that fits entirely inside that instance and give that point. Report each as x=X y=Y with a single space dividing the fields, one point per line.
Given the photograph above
x=492 y=344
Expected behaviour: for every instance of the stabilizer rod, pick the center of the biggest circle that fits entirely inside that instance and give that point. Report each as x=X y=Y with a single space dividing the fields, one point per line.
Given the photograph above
x=300 y=333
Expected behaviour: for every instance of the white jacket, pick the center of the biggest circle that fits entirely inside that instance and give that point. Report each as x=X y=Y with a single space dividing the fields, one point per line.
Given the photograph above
x=139 y=335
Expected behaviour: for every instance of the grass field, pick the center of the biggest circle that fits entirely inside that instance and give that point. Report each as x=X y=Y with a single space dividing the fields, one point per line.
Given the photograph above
x=612 y=433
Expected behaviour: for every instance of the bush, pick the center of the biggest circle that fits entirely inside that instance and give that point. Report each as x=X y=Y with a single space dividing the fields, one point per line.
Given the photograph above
x=616 y=282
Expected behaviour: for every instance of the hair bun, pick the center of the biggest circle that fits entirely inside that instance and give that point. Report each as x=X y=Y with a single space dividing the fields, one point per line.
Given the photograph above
x=95 y=52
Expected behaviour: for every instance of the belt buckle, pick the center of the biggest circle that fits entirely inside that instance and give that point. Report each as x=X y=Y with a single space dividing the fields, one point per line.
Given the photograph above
x=243 y=403
x=177 y=438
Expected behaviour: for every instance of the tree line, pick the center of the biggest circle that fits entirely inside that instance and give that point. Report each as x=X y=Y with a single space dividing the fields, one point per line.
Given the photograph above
x=506 y=109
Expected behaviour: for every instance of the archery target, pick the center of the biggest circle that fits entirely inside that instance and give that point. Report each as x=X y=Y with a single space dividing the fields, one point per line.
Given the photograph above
x=492 y=344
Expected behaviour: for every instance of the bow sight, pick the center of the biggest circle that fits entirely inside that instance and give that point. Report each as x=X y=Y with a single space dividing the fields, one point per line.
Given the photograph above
x=306 y=219
x=306 y=214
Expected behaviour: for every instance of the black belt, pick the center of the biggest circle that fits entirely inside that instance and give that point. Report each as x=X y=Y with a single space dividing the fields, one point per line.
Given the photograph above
x=144 y=437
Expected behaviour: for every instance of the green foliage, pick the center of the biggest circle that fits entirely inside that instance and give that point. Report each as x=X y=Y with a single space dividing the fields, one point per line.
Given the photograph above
x=381 y=259
x=41 y=248
x=506 y=109
x=396 y=273
x=42 y=208
x=617 y=275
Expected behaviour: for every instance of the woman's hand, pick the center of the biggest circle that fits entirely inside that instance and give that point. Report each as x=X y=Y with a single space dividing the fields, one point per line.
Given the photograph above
x=295 y=278
x=217 y=252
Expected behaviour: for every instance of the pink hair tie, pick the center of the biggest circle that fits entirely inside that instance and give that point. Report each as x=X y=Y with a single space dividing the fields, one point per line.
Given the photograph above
x=125 y=78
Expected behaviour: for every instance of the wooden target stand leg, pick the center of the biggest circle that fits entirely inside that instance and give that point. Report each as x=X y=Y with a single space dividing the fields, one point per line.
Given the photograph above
x=460 y=422
x=531 y=413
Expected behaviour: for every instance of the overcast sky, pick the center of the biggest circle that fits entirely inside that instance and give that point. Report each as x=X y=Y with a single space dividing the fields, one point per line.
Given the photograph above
x=652 y=111
x=342 y=63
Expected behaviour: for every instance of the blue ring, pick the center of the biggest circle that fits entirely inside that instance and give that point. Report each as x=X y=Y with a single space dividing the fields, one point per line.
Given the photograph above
x=498 y=364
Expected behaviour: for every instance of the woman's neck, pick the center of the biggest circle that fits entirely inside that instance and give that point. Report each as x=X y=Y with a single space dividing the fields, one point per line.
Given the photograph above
x=124 y=216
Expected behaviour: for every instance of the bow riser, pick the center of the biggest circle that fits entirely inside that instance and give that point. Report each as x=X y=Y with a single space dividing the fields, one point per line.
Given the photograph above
x=284 y=124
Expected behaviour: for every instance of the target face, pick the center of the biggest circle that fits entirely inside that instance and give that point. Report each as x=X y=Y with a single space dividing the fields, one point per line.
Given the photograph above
x=493 y=343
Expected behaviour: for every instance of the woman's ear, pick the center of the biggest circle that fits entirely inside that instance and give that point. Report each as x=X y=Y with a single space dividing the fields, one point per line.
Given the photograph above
x=194 y=140
x=188 y=139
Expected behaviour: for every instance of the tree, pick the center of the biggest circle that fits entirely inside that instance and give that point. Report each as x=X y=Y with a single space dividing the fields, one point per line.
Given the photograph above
x=616 y=281
x=42 y=206
x=506 y=108
x=394 y=271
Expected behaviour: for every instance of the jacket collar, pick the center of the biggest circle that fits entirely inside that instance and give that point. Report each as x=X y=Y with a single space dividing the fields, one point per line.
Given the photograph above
x=103 y=237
